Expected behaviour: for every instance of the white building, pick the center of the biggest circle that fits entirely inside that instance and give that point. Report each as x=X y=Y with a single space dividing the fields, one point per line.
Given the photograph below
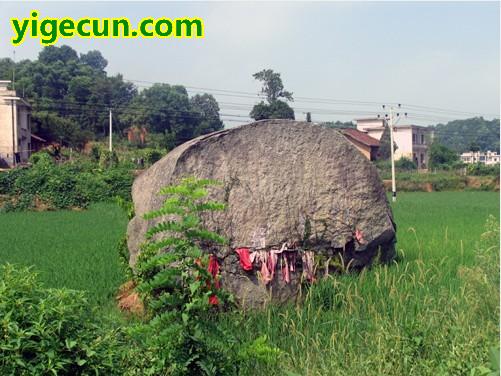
x=485 y=157
x=15 y=127
x=412 y=140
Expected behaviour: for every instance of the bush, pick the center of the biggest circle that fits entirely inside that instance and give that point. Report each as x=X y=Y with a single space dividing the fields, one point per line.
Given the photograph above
x=8 y=180
x=480 y=169
x=108 y=159
x=119 y=181
x=50 y=331
x=152 y=155
x=65 y=185
x=95 y=153
x=442 y=157
x=405 y=164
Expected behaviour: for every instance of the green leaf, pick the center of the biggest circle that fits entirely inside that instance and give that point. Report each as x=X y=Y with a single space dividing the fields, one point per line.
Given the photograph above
x=194 y=287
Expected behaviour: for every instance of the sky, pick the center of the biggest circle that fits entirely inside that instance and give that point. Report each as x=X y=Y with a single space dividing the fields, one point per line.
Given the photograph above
x=350 y=57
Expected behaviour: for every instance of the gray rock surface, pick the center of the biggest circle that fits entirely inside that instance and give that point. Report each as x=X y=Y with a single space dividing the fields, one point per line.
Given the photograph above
x=283 y=181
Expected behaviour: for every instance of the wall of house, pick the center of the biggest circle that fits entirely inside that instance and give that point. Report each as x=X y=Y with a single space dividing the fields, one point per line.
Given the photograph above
x=6 y=144
x=375 y=133
x=366 y=124
x=403 y=139
x=488 y=158
x=364 y=149
x=15 y=139
x=412 y=147
x=420 y=145
x=23 y=132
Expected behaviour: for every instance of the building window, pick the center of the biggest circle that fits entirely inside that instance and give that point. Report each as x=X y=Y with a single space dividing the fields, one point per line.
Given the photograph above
x=482 y=158
x=422 y=159
x=422 y=139
x=413 y=138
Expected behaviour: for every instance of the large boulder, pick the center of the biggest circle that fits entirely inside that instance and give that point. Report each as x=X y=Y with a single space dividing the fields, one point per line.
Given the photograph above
x=284 y=182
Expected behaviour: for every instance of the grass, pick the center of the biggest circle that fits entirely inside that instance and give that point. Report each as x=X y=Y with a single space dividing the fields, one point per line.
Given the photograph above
x=434 y=312
x=73 y=249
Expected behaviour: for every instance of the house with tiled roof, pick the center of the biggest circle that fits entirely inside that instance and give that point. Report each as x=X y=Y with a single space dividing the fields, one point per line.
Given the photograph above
x=412 y=140
x=366 y=144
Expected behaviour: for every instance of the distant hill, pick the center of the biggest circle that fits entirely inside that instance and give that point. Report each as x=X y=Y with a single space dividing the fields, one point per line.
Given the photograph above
x=463 y=135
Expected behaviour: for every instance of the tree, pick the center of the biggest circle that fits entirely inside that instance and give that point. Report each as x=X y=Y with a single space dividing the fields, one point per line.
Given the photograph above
x=442 y=156
x=71 y=95
x=208 y=108
x=384 y=151
x=272 y=85
x=52 y=54
x=68 y=91
x=94 y=59
x=273 y=88
x=167 y=109
x=473 y=147
x=6 y=68
x=274 y=110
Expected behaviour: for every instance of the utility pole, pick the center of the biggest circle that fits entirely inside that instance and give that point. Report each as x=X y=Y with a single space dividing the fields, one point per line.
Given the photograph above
x=111 y=130
x=391 y=124
x=393 y=183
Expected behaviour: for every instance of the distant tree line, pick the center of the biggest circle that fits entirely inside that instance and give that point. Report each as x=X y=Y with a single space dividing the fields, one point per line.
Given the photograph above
x=469 y=134
x=71 y=95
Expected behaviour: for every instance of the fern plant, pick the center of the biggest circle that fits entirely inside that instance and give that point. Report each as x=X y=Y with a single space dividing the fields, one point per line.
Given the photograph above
x=176 y=286
x=172 y=267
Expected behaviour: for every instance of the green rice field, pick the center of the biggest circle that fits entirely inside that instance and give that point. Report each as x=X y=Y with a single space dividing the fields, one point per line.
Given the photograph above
x=73 y=249
x=433 y=312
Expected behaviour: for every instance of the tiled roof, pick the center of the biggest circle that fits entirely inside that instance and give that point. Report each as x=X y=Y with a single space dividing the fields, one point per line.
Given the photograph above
x=361 y=137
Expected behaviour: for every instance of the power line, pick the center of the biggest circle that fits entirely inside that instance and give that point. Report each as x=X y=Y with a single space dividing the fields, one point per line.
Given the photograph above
x=421 y=113
x=325 y=100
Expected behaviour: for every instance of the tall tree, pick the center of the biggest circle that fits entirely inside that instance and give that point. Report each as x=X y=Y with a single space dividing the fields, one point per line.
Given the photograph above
x=94 y=59
x=272 y=85
x=168 y=110
x=71 y=95
x=273 y=88
x=275 y=110
x=384 y=151
x=208 y=108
